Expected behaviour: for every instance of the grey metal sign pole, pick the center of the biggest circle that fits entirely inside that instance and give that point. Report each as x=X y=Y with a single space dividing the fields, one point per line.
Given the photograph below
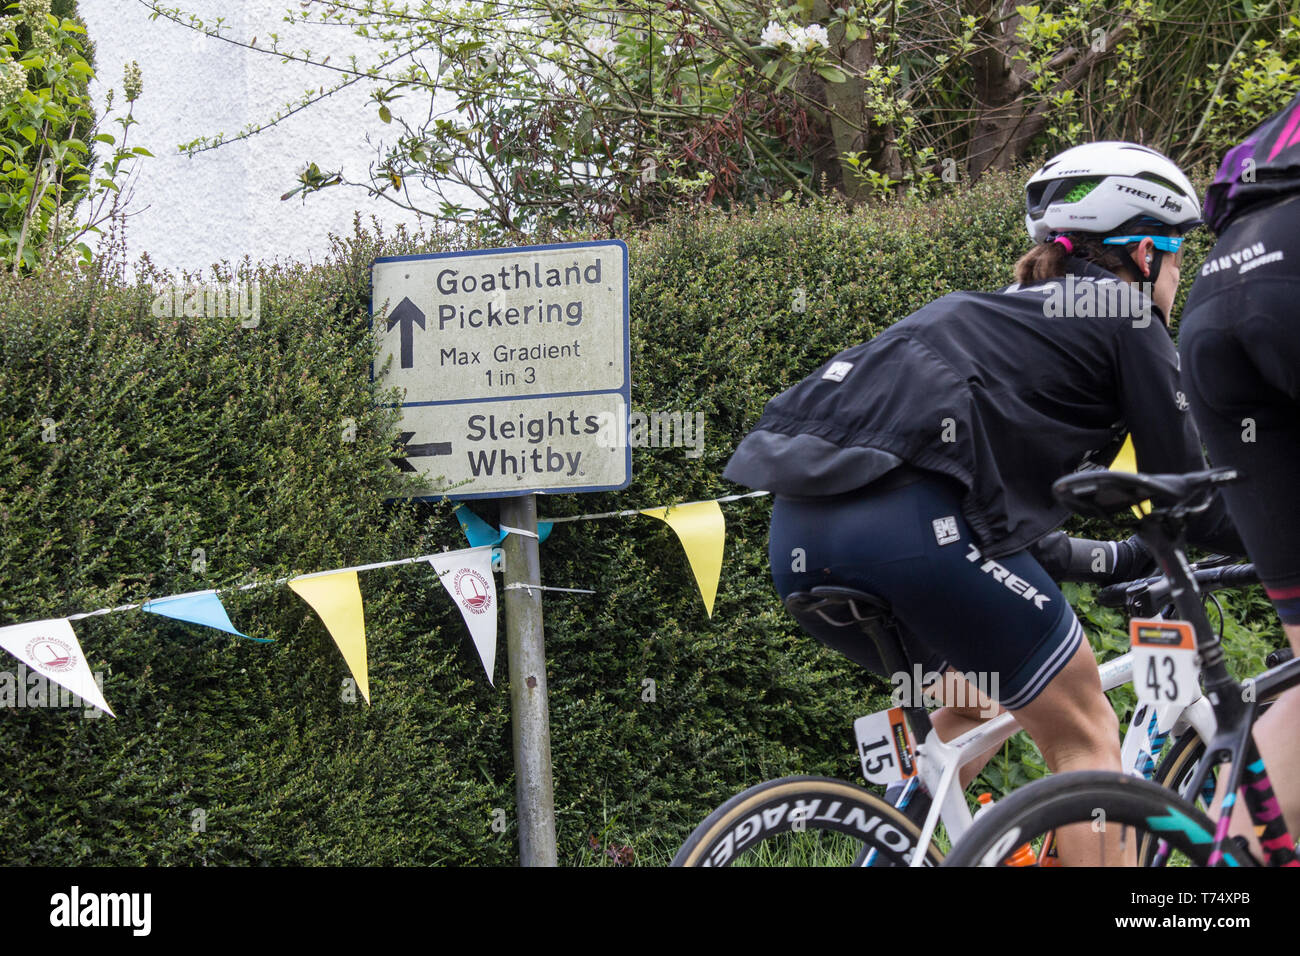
x=530 y=720
x=516 y=378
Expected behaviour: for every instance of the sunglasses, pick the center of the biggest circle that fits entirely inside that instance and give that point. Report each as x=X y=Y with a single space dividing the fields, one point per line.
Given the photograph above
x=1163 y=243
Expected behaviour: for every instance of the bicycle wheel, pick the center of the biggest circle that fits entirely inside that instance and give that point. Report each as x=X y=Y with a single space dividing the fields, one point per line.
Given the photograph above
x=1104 y=801
x=1176 y=768
x=1175 y=773
x=803 y=821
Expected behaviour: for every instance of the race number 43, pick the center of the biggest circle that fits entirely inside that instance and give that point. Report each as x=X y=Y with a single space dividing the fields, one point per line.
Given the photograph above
x=1165 y=662
x=885 y=746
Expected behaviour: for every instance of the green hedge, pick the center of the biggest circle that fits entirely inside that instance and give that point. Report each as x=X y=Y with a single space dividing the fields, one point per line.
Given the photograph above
x=175 y=434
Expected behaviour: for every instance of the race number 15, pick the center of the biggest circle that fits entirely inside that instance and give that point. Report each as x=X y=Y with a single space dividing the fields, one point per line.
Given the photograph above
x=885 y=746
x=1166 y=666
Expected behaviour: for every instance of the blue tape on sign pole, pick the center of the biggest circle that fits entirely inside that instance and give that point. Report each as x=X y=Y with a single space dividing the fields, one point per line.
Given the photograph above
x=203 y=608
x=478 y=531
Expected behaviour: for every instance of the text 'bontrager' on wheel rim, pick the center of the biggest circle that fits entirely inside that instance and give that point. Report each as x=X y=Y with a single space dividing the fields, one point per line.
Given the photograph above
x=802 y=821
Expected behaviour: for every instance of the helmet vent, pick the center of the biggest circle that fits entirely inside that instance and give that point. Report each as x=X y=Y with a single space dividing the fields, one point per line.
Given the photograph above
x=1161 y=181
x=1081 y=189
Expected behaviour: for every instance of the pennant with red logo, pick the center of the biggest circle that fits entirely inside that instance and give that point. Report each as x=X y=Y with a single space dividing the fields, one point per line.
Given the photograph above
x=467 y=576
x=52 y=649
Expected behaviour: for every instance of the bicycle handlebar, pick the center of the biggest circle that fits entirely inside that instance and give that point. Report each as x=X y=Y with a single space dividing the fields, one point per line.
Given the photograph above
x=1154 y=591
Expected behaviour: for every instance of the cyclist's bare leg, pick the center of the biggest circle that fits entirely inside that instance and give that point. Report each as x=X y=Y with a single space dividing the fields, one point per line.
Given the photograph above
x=965 y=709
x=1275 y=736
x=1075 y=727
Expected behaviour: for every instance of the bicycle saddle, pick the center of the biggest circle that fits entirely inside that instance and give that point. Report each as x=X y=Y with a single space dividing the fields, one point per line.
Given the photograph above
x=1101 y=493
x=839 y=606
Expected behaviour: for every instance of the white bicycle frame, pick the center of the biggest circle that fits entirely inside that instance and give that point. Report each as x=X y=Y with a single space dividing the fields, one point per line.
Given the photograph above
x=939 y=763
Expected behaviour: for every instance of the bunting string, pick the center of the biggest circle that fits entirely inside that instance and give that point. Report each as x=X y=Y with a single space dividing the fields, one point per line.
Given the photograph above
x=253 y=585
x=520 y=586
x=261 y=584
x=636 y=511
x=509 y=530
x=51 y=648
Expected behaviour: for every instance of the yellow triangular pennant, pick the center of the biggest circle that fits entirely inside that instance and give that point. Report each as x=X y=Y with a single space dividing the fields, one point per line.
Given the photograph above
x=1127 y=460
x=336 y=598
x=702 y=531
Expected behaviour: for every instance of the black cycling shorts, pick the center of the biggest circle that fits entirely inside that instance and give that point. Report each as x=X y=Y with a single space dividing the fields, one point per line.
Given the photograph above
x=1003 y=623
x=1239 y=340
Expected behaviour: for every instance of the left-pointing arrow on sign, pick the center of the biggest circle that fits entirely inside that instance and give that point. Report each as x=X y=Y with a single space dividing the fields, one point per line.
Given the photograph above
x=407 y=315
x=418 y=451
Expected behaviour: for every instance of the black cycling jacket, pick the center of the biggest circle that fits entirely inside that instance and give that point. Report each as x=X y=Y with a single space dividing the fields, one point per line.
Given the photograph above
x=1004 y=391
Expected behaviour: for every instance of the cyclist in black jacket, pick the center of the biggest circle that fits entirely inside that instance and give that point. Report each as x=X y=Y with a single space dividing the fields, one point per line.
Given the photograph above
x=918 y=466
x=1240 y=343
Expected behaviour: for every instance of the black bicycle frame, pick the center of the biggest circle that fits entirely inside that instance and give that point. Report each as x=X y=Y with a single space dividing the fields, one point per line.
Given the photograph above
x=1234 y=709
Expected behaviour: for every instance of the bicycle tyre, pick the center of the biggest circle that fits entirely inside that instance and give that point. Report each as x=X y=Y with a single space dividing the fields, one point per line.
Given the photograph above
x=764 y=813
x=1174 y=773
x=1175 y=770
x=1140 y=808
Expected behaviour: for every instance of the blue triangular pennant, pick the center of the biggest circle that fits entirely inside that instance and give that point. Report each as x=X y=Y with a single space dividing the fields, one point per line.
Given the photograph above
x=200 y=607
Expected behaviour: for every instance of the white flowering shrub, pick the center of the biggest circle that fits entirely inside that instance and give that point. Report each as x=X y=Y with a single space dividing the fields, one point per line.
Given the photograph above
x=602 y=47
x=795 y=37
x=13 y=81
x=51 y=194
x=607 y=113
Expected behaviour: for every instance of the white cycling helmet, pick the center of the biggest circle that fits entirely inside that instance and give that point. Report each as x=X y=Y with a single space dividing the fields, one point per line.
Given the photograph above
x=1105 y=187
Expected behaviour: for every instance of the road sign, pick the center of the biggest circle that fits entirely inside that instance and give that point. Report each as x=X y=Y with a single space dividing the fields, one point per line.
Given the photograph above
x=514 y=366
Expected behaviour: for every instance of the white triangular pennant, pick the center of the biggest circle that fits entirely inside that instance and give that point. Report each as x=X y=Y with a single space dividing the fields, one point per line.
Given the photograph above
x=467 y=576
x=51 y=648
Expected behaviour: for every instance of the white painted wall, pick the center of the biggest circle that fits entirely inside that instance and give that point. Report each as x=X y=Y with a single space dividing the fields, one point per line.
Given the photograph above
x=225 y=204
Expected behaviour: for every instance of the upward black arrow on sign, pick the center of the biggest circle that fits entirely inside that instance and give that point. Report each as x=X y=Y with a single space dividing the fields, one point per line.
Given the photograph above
x=407 y=314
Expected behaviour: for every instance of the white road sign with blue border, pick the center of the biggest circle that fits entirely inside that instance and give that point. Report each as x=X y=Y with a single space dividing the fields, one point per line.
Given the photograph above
x=514 y=365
